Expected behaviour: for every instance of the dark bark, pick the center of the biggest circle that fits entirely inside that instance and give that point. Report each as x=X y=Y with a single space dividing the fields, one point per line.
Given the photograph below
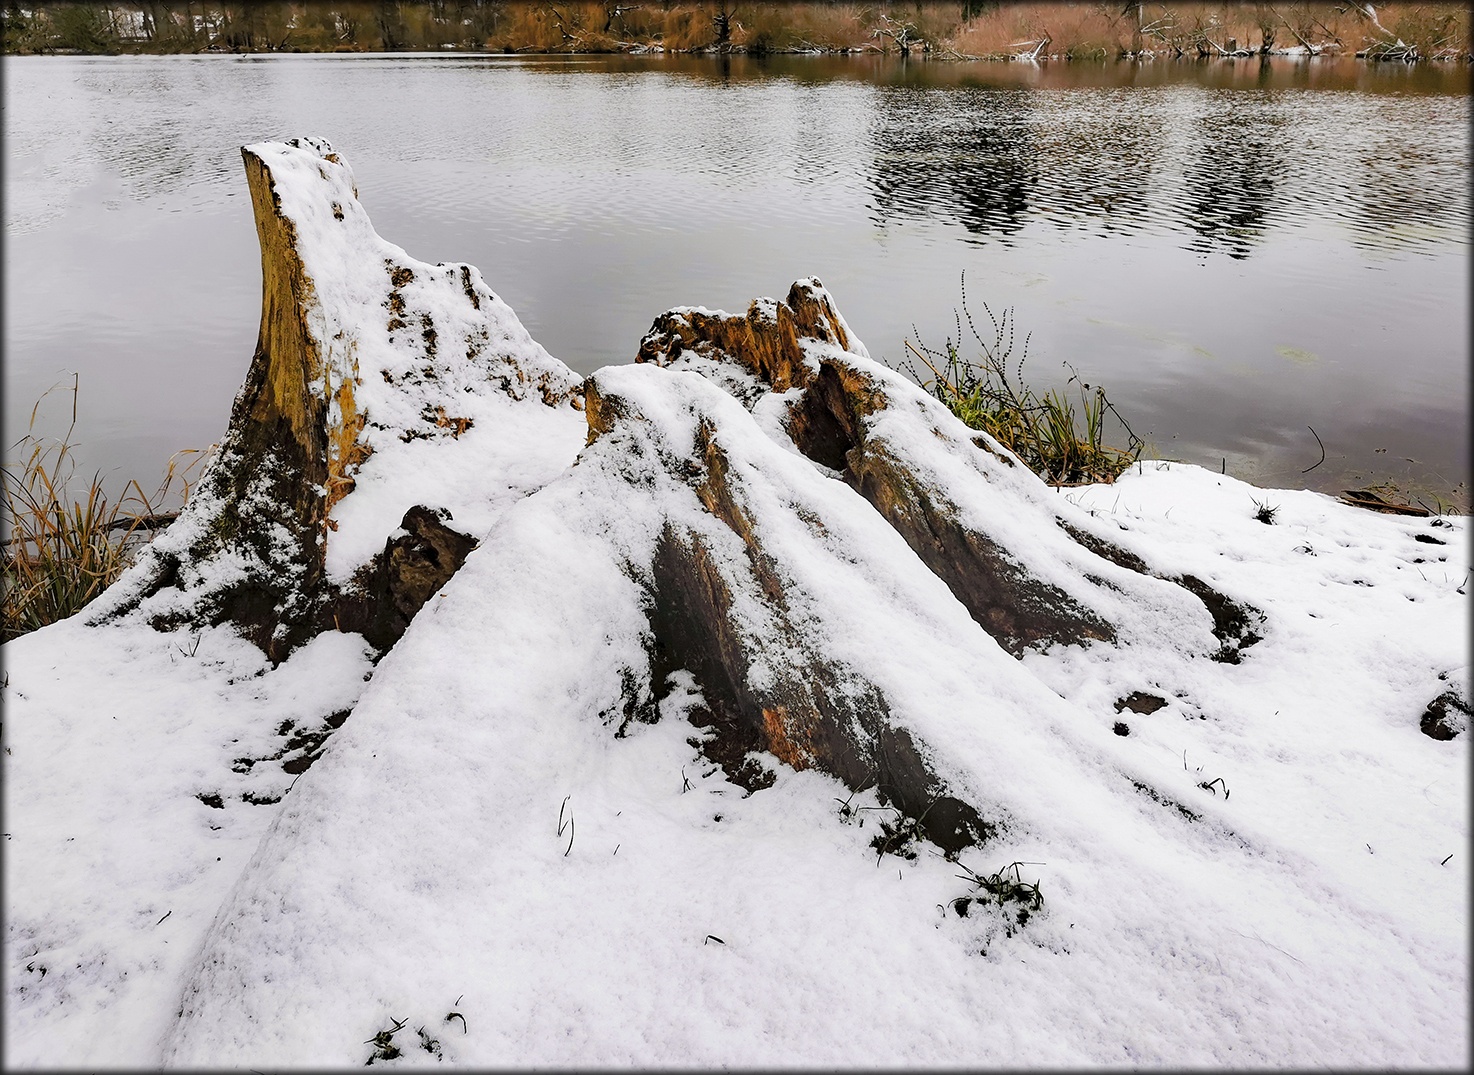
x=815 y=714
x=1011 y=601
x=400 y=580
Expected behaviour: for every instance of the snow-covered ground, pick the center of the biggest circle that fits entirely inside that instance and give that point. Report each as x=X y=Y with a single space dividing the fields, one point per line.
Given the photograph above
x=486 y=866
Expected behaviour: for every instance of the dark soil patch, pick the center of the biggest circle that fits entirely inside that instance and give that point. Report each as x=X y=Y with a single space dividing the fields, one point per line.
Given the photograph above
x=1446 y=717
x=1139 y=702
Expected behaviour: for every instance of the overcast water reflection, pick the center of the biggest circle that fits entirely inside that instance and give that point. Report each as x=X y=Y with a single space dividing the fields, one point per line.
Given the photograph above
x=1237 y=250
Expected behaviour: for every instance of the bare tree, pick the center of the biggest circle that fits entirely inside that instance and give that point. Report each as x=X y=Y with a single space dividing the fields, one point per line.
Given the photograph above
x=722 y=23
x=390 y=25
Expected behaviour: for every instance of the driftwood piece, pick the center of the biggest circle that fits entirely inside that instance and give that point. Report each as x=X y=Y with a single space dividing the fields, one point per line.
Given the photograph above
x=1365 y=498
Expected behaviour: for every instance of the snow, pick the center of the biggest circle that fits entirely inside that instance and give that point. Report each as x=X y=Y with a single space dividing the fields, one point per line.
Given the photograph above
x=486 y=835
x=115 y=867
x=1360 y=636
x=462 y=409
x=456 y=347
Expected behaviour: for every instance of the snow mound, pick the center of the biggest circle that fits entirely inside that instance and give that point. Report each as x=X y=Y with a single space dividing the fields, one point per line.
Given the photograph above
x=760 y=714
x=501 y=831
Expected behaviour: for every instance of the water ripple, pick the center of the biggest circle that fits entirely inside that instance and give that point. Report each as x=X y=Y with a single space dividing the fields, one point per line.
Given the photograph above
x=1228 y=212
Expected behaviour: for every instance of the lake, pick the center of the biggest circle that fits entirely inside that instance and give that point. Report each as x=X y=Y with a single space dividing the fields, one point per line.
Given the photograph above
x=1238 y=250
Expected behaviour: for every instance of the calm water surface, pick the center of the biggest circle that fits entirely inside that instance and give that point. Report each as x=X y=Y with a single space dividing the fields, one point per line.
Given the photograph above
x=1237 y=250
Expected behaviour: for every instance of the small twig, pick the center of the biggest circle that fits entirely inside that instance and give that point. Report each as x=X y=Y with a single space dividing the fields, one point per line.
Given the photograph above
x=713 y=937
x=1322 y=458
x=844 y=804
x=940 y=379
x=1207 y=785
x=385 y=1035
x=1445 y=861
x=1261 y=940
x=171 y=910
x=569 y=826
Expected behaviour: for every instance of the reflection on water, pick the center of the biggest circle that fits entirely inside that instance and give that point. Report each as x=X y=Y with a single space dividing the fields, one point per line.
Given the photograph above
x=1218 y=168
x=1173 y=230
x=1230 y=178
x=1101 y=155
x=1397 y=203
x=967 y=156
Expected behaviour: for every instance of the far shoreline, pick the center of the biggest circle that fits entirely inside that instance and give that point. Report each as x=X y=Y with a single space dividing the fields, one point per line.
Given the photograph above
x=946 y=57
x=930 y=30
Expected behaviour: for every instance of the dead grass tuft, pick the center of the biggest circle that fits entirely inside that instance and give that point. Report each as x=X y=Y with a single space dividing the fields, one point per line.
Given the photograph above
x=64 y=548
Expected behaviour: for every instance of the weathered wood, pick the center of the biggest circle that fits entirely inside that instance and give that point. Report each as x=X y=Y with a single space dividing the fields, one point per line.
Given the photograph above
x=1363 y=498
x=252 y=546
x=1010 y=602
x=1010 y=591
x=805 y=710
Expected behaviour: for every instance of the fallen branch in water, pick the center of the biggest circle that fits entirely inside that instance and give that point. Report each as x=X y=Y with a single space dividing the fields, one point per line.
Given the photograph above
x=1322 y=458
x=1364 y=499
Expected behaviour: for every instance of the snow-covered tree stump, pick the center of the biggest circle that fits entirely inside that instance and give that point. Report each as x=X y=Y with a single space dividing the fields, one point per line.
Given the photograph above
x=379 y=384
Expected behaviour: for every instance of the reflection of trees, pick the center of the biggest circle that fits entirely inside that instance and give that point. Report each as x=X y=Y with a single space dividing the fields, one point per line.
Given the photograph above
x=968 y=156
x=1110 y=160
x=1230 y=178
x=1411 y=187
x=1097 y=155
x=161 y=149
x=993 y=159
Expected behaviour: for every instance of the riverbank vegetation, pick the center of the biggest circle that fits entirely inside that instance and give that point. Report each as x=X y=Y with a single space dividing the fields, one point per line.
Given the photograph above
x=1042 y=429
x=62 y=546
x=956 y=30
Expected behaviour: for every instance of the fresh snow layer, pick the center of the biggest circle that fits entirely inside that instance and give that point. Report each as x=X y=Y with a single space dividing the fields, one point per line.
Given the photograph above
x=418 y=869
x=115 y=867
x=477 y=839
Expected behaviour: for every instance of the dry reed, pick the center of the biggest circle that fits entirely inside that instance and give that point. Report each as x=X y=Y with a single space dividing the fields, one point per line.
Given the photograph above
x=65 y=549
